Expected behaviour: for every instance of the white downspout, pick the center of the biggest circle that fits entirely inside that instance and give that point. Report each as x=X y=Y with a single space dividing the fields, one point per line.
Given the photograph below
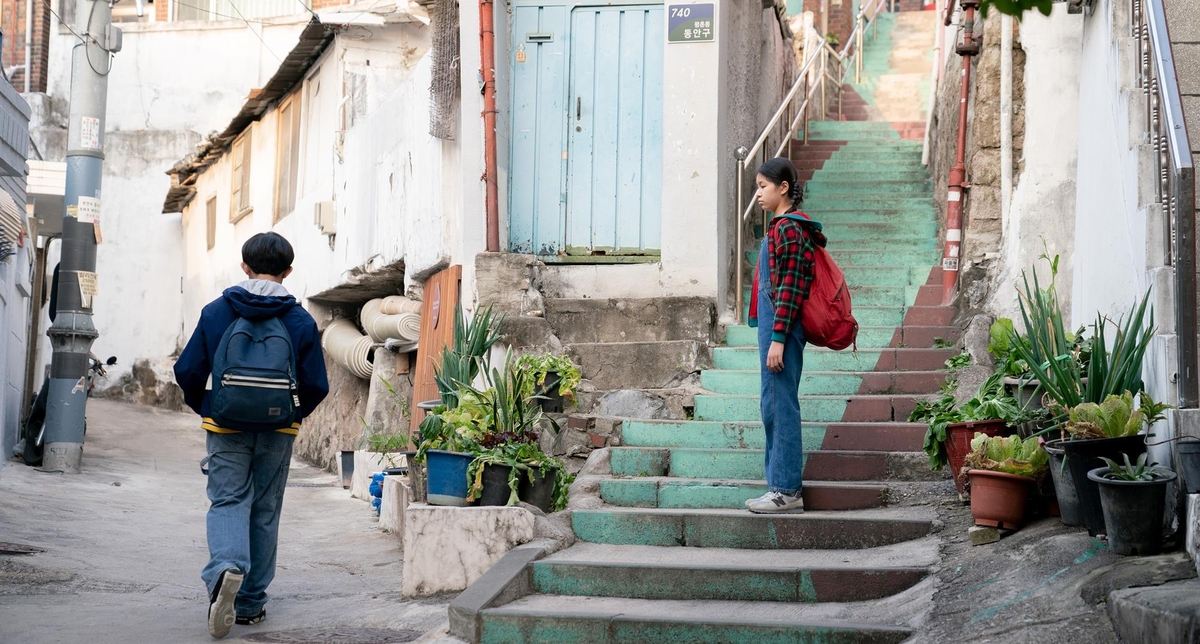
x=28 y=44
x=1006 y=135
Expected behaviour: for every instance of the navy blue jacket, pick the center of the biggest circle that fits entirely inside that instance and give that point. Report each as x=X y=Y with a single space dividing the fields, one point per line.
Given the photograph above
x=194 y=366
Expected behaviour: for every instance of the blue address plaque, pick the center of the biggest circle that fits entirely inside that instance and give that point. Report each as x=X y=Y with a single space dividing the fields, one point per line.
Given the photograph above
x=690 y=23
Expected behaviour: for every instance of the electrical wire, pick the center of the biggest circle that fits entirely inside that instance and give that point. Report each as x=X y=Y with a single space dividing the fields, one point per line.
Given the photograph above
x=219 y=15
x=309 y=9
x=84 y=41
x=256 y=34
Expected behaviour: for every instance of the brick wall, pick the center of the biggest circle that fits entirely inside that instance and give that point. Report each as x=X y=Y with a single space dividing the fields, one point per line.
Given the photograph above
x=841 y=17
x=161 y=11
x=12 y=17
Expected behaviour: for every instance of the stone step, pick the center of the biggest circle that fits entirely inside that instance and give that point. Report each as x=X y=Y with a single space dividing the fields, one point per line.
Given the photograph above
x=800 y=576
x=891 y=436
x=867 y=186
x=817 y=359
x=590 y=320
x=639 y=365
x=878 y=296
x=537 y=619
x=742 y=529
x=917 y=257
x=747 y=464
x=869 y=337
x=681 y=493
x=916 y=228
x=829 y=383
x=822 y=409
x=830 y=201
x=896 y=173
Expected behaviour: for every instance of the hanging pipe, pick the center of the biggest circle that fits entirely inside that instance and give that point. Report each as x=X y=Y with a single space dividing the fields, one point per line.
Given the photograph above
x=347 y=346
x=396 y=304
x=381 y=326
x=951 y=254
x=487 y=56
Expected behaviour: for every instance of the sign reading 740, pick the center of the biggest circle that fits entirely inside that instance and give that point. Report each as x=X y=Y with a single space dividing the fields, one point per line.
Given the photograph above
x=690 y=23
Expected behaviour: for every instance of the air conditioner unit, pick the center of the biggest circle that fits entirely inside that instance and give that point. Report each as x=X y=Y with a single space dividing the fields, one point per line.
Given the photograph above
x=325 y=217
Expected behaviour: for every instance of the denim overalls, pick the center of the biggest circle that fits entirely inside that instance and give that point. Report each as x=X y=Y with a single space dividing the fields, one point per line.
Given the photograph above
x=780 y=392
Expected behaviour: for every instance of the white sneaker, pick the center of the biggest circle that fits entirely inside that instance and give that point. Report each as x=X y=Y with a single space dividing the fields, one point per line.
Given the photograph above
x=776 y=503
x=221 y=613
x=757 y=498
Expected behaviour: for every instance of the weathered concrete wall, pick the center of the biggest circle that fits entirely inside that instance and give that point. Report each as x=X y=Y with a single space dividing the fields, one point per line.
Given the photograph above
x=337 y=424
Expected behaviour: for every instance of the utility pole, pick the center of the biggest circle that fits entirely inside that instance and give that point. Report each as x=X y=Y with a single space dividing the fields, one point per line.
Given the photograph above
x=73 y=332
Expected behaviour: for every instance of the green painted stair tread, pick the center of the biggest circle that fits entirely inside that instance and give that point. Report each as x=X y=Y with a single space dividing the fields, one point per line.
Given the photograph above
x=617 y=620
x=742 y=529
x=898 y=436
x=815 y=408
x=747 y=464
x=818 y=359
x=650 y=572
x=827 y=383
x=710 y=493
x=868 y=337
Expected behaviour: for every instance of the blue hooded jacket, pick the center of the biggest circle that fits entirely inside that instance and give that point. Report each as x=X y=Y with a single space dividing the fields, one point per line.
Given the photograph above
x=193 y=369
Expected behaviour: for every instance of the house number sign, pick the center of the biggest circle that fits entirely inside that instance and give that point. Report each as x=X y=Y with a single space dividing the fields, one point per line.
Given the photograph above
x=690 y=23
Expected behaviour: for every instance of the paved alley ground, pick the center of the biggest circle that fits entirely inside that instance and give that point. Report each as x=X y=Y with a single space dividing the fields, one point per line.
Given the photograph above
x=125 y=541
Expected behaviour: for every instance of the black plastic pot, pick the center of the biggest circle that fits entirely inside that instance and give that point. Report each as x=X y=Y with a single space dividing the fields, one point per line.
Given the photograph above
x=347 y=468
x=1133 y=512
x=1188 y=454
x=551 y=401
x=1083 y=456
x=540 y=492
x=1064 y=487
x=495 y=485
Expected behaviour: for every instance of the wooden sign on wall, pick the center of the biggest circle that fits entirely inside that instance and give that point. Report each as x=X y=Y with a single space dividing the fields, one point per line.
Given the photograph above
x=437 y=331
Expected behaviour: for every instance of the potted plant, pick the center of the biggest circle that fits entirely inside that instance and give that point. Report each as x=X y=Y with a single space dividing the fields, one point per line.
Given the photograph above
x=394 y=443
x=450 y=432
x=1133 y=497
x=1001 y=470
x=951 y=427
x=1187 y=454
x=555 y=377
x=1100 y=432
x=510 y=448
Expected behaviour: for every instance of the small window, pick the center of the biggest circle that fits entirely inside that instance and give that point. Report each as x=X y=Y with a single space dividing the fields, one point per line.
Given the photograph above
x=239 y=201
x=287 y=157
x=211 y=223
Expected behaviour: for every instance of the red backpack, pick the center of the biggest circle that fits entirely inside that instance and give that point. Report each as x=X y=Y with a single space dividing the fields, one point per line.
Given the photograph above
x=825 y=315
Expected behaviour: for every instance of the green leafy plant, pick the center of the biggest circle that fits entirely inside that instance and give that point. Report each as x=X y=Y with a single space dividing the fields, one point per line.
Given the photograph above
x=538 y=366
x=942 y=343
x=1138 y=471
x=989 y=403
x=958 y=362
x=1113 y=418
x=1002 y=346
x=462 y=360
x=1017 y=8
x=1009 y=454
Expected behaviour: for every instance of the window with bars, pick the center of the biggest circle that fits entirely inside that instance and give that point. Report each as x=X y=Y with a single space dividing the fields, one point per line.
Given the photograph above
x=211 y=222
x=237 y=9
x=287 y=156
x=239 y=195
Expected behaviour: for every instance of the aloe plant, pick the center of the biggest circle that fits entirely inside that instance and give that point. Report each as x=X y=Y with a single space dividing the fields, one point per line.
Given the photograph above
x=1139 y=471
x=462 y=359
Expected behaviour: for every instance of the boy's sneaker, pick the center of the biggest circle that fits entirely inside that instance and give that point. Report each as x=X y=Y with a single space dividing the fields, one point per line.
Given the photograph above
x=774 y=503
x=221 y=613
x=757 y=498
x=251 y=621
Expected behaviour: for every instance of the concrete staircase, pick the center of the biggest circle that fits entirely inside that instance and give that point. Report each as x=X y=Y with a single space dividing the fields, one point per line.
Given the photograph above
x=668 y=553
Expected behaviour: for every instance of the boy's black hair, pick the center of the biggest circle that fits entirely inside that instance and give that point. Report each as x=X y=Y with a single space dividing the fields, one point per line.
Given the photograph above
x=268 y=254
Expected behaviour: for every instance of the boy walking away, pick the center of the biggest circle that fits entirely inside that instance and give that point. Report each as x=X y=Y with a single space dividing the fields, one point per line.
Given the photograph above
x=253 y=369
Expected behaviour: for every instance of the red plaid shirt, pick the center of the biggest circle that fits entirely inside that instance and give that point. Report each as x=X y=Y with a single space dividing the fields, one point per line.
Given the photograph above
x=791 y=250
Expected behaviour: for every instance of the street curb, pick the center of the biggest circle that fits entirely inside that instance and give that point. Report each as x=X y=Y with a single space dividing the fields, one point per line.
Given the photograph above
x=510 y=579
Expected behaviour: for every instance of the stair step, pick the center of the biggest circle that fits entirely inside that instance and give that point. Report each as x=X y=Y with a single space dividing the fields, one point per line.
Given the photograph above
x=869 y=337
x=537 y=619
x=586 y=320
x=884 y=296
x=829 y=383
x=864 y=186
x=888 y=174
x=916 y=257
x=648 y=572
x=822 y=409
x=742 y=529
x=747 y=464
x=638 y=365
x=682 y=493
x=817 y=359
x=892 y=436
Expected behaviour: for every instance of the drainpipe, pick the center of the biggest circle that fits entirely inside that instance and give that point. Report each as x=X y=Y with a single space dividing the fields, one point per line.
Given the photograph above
x=1006 y=135
x=951 y=254
x=487 y=56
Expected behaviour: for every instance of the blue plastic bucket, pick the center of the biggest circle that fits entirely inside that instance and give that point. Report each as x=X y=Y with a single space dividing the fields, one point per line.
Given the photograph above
x=446 y=473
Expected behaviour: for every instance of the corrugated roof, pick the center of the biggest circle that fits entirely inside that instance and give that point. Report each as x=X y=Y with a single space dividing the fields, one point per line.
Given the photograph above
x=313 y=41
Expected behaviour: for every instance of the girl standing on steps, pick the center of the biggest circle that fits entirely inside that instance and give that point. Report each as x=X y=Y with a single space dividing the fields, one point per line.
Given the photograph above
x=786 y=268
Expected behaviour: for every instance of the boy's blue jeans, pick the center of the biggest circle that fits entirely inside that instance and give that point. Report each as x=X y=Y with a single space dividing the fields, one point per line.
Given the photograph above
x=247 y=473
x=780 y=402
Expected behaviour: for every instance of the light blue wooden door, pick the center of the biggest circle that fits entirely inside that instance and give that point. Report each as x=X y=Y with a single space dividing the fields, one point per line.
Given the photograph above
x=536 y=198
x=614 y=126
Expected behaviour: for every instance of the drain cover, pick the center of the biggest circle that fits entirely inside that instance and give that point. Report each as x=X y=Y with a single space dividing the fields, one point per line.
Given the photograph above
x=7 y=548
x=347 y=635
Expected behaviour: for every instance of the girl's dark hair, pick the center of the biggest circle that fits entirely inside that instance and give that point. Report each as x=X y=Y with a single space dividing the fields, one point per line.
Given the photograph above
x=268 y=254
x=779 y=170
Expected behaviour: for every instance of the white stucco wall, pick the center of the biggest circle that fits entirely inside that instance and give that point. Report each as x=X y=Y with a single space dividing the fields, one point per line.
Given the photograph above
x=171 y=85
x=395 y=188
x=1042 y=212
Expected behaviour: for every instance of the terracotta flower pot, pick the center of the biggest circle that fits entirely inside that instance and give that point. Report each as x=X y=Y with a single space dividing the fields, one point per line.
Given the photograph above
x=958 y=445
x=998 y=498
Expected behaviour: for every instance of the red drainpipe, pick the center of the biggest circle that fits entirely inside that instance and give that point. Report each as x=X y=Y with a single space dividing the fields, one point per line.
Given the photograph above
x=951 y=254
x=487 y=55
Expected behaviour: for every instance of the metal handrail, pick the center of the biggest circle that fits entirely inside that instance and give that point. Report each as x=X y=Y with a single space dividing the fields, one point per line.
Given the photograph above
x=802 y=115
x=1176 y=188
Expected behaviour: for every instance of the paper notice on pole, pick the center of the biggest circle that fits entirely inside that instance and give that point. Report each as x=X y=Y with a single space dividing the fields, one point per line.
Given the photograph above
x=89 y=210
x=72 y=211
x=96 y=227
x=89 y=286
x=89 y=133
